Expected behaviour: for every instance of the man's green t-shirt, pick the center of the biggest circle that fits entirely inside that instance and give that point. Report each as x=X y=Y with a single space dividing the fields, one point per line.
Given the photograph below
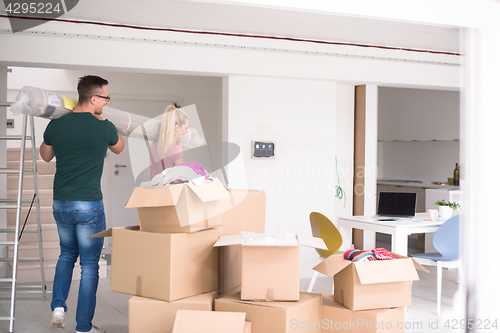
x=80 y=142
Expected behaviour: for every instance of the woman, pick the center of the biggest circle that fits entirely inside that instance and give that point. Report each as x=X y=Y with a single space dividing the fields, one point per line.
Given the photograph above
x=167 y=152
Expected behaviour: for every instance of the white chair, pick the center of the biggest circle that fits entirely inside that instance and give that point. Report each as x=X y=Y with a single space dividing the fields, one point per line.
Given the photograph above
x=447 y=242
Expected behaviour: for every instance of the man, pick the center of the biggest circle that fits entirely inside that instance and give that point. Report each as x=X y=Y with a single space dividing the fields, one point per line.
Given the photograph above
x=79 y=141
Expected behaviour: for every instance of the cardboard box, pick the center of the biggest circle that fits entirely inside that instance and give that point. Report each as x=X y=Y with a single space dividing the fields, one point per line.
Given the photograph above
x=247 y=213
x=188 y=321
x=179 y=208
x=229 y=270
x=277 y=317
x=162 y=266
x=244 y=210
x=270 y=272
x=371 y=284
x=153 y=316
x=337 y=317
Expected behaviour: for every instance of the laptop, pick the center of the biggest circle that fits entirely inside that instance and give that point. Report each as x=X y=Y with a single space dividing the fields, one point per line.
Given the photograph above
x=393 y=206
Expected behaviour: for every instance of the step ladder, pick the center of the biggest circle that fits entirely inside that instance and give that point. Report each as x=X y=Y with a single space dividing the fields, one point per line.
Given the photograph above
x=25 y=291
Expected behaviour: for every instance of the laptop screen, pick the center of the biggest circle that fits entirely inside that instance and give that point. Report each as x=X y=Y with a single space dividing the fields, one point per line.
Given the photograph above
x=397 y=204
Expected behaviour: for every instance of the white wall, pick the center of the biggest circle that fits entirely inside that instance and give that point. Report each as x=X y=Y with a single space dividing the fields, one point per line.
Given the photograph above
x=408 y=122
x=3 y=164
x=299 y=116
x=344 y=146
x=424 y=161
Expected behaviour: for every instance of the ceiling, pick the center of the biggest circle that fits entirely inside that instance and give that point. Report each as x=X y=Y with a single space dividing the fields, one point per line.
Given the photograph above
x=223 y=18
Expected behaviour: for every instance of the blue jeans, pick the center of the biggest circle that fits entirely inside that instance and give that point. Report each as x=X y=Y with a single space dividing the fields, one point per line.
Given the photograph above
x=76 y=220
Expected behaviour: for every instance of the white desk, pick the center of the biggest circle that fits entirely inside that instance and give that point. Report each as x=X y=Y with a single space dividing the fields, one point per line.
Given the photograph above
x=399 y=230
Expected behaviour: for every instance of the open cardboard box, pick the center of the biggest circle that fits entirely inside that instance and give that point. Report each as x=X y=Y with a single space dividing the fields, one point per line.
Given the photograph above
x=179 y=208
x=277 y=317
x=154 y=316
x=371 y=284
x=270 y=273
x=337 y=317
x=167 y=267
x=189 y=321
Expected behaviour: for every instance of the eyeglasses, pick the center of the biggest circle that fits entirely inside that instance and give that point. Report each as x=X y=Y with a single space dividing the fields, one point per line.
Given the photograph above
x=107 y=98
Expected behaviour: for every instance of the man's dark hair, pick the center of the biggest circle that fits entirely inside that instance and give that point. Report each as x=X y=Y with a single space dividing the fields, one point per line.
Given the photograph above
x=88 y=86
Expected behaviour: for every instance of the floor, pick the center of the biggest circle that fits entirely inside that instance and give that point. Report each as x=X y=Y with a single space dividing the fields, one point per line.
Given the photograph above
x=33 y=315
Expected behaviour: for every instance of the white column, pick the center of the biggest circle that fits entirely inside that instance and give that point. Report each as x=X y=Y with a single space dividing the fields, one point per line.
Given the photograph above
x=3 y=164
x=479 y=155
x=371 y=136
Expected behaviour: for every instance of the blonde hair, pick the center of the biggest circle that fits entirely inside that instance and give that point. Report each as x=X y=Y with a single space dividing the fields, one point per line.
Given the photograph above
x=171 y=117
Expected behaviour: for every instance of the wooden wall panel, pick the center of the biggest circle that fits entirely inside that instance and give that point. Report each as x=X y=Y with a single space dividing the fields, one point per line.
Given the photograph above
x=358 y=205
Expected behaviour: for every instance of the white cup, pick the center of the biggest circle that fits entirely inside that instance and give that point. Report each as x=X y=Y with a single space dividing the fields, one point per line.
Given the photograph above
x=432 y=214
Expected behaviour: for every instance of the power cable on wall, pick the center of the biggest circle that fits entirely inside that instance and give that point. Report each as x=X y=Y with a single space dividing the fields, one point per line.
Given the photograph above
x=339 y=193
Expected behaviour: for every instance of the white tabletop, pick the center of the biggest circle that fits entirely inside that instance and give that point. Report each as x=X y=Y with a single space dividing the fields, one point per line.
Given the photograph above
x=399 y=230
x=418 y=221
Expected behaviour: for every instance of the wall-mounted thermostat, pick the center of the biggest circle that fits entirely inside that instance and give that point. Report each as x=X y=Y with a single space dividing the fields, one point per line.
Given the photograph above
x=263 y=149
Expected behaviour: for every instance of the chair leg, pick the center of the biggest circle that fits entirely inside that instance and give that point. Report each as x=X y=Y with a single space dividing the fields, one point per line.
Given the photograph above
x=460 y=275
x=313 y=280
x=439 y=285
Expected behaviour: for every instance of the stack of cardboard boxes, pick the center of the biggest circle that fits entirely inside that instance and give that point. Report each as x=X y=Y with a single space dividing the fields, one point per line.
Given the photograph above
x=368 y=296
x=168 y=262
x=188 y=252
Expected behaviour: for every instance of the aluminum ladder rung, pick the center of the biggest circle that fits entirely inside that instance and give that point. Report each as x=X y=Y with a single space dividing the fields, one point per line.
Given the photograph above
x=26 y=286
x=13 y=137
x=13 y=170
x=4 y=318
x=15 y=200
x=6 y=280
x=7 y=243
x=8 y=206
x=21 y=259
x=11 y=231
x=27 y=294
x=31 y=287
x=9 y=170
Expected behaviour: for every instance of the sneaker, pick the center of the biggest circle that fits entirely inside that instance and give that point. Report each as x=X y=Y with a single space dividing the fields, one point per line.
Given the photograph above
x=58 y=318
x=94 y=329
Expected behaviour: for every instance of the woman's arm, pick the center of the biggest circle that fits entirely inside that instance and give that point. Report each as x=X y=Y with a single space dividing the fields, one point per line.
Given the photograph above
x=179 y=161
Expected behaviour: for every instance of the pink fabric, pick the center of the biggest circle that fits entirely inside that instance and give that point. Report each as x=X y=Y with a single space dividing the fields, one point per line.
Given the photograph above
x=198 y=168
x=382 y=254
x=158 y=164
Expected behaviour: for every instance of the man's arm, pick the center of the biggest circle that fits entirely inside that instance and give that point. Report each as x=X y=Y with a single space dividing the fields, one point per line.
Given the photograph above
x=118 y=148
x=46 y=152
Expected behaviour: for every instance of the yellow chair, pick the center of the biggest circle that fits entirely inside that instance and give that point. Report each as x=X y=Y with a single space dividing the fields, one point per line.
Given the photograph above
x=322 y=227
